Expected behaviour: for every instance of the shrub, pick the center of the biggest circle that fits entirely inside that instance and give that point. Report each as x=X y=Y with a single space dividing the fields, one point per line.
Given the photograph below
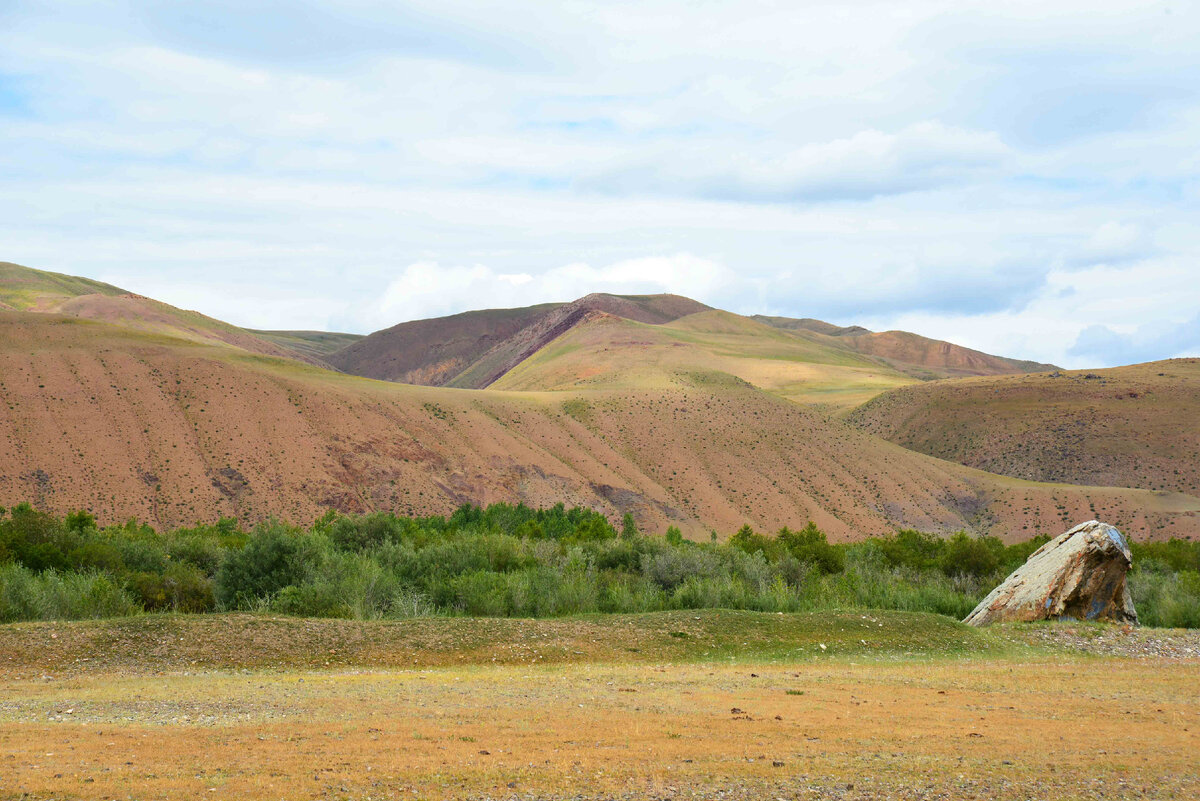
x=28 y=595
x=275 y=557
x=968 y=556
x=513 y=560
x=810 y=545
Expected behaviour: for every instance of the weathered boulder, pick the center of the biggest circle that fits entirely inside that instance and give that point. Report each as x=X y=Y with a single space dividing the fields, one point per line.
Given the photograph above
x=1080 y=575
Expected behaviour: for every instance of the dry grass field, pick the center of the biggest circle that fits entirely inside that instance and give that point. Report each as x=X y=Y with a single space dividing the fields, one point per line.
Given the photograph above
x=740 y=706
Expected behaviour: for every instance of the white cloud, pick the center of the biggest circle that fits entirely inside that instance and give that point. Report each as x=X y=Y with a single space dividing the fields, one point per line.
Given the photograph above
x=1004 y=174
x=871 y=162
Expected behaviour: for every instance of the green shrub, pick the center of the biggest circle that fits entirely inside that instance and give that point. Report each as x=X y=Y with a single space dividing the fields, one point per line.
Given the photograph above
x=29 y=595
x=516 y=561
x=275 y=557
x=964 y=555
x=810 y=545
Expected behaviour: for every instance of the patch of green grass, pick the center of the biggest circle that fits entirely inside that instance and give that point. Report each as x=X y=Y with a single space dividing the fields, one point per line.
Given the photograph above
x=150 y=643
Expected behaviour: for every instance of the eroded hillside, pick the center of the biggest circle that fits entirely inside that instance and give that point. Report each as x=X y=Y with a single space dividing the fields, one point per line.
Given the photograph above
x=131 y=424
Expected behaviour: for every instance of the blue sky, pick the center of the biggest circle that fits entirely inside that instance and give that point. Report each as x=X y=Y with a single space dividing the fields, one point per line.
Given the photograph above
x=1020 y=177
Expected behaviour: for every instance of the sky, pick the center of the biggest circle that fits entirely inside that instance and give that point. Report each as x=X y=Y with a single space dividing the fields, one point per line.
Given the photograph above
x=1018 y=177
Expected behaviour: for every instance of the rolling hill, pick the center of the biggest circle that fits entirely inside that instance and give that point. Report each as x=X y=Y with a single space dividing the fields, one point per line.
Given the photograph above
x=475 y=349
x=26 y=289
x=684 y=415
x=911 y=354
x=472 y=349
x=1136 y=426
x=133 y=424
x=604 y=351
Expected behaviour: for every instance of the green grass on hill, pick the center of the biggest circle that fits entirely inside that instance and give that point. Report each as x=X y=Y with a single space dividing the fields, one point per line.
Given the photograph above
x=22 y=287
x=150 y=643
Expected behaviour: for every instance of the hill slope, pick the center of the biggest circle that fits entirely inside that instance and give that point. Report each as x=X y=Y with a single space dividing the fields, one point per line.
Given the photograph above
x=317 y=344
x=26 y=289
x=912 y=354
x=131 y=424
x=1136 y=426
x=472 y=349
x=603 y=351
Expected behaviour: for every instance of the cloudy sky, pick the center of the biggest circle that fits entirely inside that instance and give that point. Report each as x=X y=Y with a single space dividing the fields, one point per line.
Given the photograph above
x=1021 y=177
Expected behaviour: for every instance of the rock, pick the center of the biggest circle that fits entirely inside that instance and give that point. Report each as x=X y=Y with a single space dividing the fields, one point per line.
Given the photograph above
x=1078 y=575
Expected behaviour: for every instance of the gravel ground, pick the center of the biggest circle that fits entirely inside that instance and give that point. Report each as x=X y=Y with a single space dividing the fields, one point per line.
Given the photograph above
x=1126 y=641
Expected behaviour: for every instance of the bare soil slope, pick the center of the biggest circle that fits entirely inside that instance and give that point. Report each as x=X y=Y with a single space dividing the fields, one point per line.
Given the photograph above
x=131 y=424
x=431 y=352
x=1136 y=426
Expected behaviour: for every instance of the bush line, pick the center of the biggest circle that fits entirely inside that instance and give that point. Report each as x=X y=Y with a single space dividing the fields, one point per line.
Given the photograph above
x=506 y=560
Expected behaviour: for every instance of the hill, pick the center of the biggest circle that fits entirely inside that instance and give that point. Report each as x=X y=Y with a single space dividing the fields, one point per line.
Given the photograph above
x=1136 y=426
x=911 y=354
x=26 y=289
x=472 y=349
x=475 y=349
x=604 y=351
x=317 y=344
x=129 y=423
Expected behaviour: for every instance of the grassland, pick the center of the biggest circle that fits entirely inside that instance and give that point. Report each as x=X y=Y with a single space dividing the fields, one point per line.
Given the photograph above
x=746 y=705
x=614 y=353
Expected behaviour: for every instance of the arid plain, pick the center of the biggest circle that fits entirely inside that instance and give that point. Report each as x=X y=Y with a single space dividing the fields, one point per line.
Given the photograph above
x=680 y=705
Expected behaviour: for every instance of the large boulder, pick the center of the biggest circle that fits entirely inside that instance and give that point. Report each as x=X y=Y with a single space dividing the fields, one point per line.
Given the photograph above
x=1078 y=575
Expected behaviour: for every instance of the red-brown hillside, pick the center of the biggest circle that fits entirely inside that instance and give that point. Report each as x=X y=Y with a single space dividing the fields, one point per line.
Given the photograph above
x=473 y=349
x=131 y=424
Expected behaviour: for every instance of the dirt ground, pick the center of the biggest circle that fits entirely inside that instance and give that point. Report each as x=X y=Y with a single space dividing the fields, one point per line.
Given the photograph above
x=995 y=727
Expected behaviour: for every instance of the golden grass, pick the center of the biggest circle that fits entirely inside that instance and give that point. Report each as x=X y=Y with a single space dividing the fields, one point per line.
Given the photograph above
x=981 y=728
x=611 y=353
